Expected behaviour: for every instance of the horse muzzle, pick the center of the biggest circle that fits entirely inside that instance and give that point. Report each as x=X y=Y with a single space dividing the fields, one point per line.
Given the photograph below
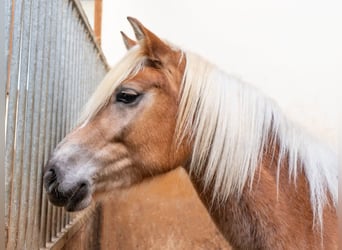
x=74 y=196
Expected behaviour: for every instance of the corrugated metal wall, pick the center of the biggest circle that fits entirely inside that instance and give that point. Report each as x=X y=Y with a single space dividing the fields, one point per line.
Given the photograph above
x=53 y=66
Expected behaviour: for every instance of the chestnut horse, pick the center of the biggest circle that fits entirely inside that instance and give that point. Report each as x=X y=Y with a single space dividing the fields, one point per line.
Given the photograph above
x=265 y=183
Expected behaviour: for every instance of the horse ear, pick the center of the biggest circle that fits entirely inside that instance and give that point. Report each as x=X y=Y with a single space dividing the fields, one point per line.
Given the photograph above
x=129 y=43
x=155 y=48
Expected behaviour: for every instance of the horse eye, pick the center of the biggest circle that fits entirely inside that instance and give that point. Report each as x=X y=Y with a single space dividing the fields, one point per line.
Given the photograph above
x=127 y=96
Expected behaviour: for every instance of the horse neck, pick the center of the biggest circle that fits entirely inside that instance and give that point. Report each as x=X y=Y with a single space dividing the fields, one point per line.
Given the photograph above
x=269 y=214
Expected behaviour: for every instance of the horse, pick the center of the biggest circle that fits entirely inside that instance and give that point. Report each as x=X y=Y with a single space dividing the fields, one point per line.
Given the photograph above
x=265 y=182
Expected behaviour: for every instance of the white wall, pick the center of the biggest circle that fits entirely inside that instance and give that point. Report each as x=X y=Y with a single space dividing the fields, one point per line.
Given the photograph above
x=88 y=6
x=291 y=49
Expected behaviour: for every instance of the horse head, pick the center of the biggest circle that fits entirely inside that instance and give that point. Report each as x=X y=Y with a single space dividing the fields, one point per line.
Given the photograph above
x=127 y=129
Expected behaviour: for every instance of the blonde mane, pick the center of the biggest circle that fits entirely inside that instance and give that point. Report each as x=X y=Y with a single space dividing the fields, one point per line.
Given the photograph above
x=231 y=124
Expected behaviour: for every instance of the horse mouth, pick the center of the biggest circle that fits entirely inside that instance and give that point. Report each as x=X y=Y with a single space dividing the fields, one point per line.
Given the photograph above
x=73 y=199
x=79 y=199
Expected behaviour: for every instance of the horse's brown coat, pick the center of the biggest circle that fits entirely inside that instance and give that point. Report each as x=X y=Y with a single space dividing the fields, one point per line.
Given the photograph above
x=264 y=219
x=143 y=138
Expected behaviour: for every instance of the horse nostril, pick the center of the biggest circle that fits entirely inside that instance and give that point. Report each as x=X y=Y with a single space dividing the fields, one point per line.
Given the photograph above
x=82 y=187
x=53 y=175
x=52 y=172
x=50 y=179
